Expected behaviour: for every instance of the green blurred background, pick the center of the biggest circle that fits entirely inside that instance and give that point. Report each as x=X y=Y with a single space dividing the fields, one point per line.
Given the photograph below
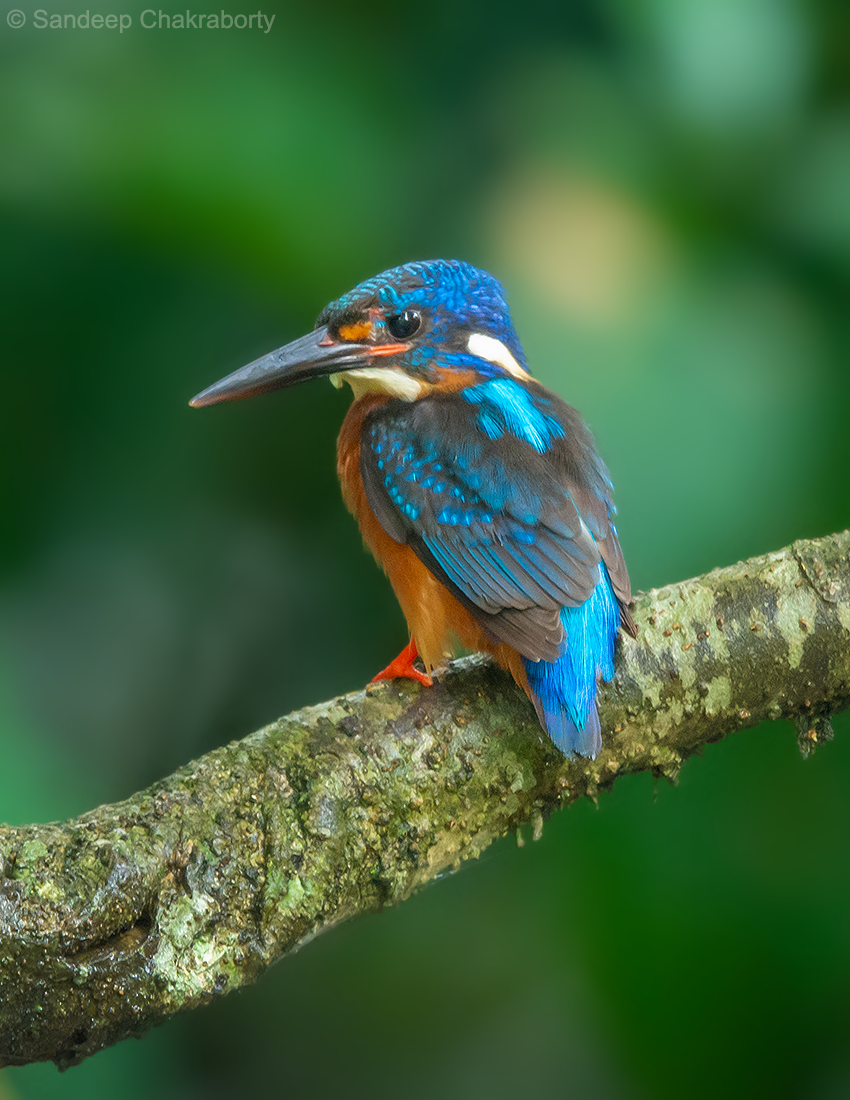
x=663 y=186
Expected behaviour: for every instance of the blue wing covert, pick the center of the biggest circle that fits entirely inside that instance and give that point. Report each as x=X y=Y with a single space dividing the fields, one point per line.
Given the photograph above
x=499 y=491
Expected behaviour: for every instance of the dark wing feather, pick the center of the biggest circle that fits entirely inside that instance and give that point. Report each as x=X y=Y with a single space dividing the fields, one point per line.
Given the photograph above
x=497 y=520
x=596 y=507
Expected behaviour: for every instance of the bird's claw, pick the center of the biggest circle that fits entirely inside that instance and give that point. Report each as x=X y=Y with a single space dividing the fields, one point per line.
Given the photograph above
x=403 y=666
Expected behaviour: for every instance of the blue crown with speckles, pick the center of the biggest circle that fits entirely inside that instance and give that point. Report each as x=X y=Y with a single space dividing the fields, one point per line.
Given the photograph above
x=455 y=295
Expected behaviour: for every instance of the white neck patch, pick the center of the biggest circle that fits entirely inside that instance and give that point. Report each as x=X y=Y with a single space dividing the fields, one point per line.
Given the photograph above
x=379 y=380
x=494 y=351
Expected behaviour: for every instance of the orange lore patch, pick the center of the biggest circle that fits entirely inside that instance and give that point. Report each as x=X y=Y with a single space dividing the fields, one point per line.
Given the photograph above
x=359 y=330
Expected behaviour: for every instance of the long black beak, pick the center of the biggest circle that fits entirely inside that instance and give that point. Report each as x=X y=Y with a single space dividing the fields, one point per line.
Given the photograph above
x=309 y=357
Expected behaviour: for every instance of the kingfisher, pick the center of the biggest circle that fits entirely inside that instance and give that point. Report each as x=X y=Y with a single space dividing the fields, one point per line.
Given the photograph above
x=479 y=492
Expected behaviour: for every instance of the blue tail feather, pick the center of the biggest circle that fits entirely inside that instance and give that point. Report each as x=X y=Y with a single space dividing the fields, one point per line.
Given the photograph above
x=564 y=691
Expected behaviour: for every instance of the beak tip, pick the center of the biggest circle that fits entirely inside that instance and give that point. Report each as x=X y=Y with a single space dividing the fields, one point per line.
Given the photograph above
x=202 y=399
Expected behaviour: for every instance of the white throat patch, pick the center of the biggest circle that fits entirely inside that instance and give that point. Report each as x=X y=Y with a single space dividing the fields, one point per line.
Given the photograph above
x=379 y=380
x=494 y=351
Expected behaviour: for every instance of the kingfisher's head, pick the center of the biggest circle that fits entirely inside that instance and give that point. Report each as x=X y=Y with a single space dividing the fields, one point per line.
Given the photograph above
x=416 y=329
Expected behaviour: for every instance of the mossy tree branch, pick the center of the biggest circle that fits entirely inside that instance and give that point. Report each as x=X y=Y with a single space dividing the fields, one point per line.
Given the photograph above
x=113 y=921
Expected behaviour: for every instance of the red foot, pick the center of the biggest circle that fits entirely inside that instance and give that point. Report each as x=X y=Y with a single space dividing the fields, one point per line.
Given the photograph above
x=403 y=666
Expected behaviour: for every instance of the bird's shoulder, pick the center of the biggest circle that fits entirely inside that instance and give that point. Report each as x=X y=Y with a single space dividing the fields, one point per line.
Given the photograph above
x=510 y=441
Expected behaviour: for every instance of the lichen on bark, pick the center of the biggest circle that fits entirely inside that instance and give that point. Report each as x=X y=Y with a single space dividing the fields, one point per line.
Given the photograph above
x=113 y=921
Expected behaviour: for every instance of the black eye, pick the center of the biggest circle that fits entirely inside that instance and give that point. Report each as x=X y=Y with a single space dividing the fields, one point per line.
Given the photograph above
x=403 y=325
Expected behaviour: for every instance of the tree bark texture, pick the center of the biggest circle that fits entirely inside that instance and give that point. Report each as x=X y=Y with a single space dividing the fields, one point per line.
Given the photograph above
x=111 y=922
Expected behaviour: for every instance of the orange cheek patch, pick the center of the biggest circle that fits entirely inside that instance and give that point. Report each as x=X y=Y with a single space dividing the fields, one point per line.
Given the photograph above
x=358 y=331
x=452 y=380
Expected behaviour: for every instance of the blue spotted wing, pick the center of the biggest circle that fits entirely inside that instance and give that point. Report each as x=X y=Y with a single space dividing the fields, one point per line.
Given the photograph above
x=499 y=490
